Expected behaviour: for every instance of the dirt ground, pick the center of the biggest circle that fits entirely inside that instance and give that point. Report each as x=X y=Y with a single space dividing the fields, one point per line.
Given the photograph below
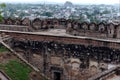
x=6 y=56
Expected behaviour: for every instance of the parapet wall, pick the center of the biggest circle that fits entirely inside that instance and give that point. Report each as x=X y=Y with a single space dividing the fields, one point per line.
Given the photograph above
x=101 y=30
x=14 y=28
x=73 y=27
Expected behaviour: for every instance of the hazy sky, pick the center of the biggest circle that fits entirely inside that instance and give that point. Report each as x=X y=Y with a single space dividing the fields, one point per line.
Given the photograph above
x=62 y=1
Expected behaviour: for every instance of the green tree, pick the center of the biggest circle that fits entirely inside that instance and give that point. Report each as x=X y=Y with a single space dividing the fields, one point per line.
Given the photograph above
x=49 y=14
x=106 y=12
x=2 y=5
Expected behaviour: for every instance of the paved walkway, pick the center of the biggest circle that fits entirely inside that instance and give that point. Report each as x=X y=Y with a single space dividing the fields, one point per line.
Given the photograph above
x=114 y=78
x=3 y=77
x=61 y=33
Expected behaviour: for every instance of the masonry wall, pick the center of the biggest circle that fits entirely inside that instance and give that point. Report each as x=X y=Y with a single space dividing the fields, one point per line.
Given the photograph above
x=73 y=27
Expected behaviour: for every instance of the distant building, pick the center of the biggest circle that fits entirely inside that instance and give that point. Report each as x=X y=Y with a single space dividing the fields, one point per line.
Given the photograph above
x=68 y=4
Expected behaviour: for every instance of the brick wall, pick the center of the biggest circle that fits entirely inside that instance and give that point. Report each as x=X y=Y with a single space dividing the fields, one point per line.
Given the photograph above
x=67 y=40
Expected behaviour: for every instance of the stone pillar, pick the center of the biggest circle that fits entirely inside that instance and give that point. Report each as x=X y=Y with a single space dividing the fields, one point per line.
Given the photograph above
x=28 y=55
x=44 y=58
x=118 y=31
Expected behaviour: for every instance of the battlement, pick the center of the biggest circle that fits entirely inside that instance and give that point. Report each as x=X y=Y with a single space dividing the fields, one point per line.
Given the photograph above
x=72 y=27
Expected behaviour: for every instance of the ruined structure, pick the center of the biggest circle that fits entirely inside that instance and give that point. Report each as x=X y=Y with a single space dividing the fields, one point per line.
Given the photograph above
x=65 y=49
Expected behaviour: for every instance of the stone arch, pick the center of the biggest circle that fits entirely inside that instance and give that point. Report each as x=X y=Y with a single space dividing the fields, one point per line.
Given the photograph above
x=75 y=63
x=101 y=27
x=103 y=66
x=50 y=23
x=93 y=69
x=79 y=25
x=55 y=23
x=110 y=30
x=10 y=21
x=75 y=25
x=62 y=21
x=92 y=26
x=17 y=21
x=44 y=24
x=36 y=23
x=26 y=22
x=84 y=25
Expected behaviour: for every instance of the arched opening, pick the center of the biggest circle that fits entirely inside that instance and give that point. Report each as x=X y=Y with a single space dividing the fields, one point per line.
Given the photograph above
x=57 y=76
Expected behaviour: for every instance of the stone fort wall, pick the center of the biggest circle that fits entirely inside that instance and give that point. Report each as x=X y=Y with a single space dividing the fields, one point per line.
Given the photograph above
x=73 y=27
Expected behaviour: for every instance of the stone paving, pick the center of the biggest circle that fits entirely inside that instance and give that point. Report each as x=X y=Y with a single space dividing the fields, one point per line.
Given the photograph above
x=2 y=76
x=115 y=77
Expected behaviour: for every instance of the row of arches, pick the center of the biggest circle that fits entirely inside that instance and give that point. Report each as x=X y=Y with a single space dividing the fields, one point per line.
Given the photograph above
x=75 y=24
x=74 y=27
x=36 y=23
x=84 y=53
x=109 y=30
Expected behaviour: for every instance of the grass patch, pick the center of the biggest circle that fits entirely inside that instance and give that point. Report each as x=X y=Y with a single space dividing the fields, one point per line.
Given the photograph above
x=3 y=49
x=16 y=70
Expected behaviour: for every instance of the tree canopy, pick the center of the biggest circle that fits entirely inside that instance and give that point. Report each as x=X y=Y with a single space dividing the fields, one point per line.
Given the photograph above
x=49 y=14
x=2 y=5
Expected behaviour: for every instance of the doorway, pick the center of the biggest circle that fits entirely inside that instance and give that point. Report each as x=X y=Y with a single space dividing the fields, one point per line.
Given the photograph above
x=57 y=76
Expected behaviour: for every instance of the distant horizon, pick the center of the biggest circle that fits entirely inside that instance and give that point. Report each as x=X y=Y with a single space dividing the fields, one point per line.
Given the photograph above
x=107 y=2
